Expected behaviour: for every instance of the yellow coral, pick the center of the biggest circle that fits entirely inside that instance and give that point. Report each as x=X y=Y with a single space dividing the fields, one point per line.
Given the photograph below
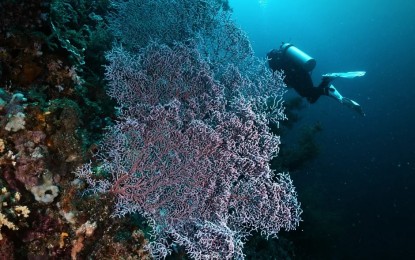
x=2 y=145
x=5 y=222
x=17 y=196
x=62 y=239
x=17 y=210
x=22 y=210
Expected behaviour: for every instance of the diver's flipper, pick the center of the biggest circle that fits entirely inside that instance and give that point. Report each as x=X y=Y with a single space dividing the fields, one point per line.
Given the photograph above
x=332 y=92
x=347 y=75
x=353 y=105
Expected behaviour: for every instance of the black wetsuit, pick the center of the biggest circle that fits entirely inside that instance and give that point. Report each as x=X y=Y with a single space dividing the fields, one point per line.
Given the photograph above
x=296 y=76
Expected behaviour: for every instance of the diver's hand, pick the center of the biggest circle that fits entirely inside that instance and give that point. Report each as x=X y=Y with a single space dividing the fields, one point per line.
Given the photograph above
x=353 y=105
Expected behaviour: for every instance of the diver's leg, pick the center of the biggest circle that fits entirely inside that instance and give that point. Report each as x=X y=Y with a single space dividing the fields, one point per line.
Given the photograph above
x=325 y=81
x=334 y=93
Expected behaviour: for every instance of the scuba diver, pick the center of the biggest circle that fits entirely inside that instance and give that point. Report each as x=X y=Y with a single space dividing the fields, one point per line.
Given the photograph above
x=297 y=66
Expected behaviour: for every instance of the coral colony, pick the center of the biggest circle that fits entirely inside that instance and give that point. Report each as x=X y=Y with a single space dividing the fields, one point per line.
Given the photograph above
x=156 y=144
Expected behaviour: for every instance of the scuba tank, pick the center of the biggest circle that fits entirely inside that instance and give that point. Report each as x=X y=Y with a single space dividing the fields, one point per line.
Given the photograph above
x=297 y=56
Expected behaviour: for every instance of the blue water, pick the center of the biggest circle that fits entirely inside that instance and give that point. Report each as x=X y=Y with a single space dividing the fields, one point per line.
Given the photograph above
x=361 y=189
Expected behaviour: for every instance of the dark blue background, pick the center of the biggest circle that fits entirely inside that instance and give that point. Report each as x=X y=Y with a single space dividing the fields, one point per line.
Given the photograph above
x=363 y=181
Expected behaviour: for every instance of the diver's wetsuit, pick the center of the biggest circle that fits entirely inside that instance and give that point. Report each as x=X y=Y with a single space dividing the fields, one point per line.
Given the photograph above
x=297 y=77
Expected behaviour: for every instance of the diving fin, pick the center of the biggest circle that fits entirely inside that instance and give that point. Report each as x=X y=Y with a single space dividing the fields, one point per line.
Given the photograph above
x=332 y=92
x=353 y=105
x=347 y=75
